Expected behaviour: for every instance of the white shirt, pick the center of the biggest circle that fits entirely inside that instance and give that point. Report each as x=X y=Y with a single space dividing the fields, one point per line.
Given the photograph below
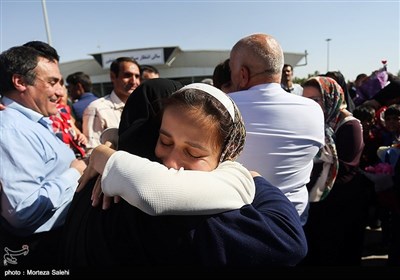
x=284 y=133
x=157 y=190
x=295 y=89
x=100 y=114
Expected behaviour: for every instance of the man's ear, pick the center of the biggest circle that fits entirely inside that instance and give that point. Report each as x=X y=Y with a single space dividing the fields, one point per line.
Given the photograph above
x=244 y=76
x=80 y=88
x=112 y=76
x=19 y=82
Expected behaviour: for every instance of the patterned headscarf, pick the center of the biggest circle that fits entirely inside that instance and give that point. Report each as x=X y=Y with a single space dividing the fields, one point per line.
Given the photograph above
x=234 y=143
x=333 y=102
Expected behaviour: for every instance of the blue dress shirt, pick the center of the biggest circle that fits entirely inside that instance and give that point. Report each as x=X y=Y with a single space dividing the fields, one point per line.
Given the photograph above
x=37 y=181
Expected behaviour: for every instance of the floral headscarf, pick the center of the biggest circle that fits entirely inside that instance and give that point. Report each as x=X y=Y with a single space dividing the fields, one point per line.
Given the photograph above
x=333 y=102
x=234 y=144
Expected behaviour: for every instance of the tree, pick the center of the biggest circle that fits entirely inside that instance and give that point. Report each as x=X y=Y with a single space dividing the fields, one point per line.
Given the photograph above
x=302 y=80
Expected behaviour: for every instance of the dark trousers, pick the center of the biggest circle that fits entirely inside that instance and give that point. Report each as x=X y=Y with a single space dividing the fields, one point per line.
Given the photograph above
x=336 y=225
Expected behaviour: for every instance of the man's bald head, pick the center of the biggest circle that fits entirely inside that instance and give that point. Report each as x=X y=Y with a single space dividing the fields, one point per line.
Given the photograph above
x=261 y=55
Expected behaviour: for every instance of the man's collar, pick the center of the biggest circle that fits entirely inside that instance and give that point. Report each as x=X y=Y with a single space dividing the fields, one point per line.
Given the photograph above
x=29 y=113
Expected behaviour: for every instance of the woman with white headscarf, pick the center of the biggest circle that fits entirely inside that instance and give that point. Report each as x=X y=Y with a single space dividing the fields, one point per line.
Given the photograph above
x=266 y=232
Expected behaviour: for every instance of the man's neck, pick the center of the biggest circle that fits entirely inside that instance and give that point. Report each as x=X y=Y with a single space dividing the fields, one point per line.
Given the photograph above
x=122 y=97
x=288 y=84
x=263 y=80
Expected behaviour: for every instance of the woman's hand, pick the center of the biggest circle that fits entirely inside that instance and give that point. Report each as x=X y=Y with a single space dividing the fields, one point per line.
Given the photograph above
x=97 y=194
x=87 y=175
x=254 y=173
x=96 y=162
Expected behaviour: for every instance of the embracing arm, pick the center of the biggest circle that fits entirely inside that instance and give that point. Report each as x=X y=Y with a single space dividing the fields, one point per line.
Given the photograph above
x=266 y=233
x=157 y=190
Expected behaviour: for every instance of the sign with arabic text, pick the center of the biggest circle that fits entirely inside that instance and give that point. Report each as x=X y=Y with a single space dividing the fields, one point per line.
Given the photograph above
x=145 y=56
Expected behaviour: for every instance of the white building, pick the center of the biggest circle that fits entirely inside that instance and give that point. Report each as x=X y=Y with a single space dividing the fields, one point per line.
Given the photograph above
x=172 y=63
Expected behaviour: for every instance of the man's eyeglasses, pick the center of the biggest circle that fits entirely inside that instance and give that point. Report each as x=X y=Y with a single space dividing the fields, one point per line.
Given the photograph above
x=258 y=73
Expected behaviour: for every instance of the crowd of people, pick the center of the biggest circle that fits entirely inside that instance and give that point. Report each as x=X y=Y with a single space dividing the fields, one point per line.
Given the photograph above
x=246 y=169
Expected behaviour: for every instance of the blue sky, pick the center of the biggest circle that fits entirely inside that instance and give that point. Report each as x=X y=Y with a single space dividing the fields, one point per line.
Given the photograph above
x=362 y=33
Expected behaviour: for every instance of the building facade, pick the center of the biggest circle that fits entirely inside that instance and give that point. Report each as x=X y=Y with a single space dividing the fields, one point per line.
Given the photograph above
x=172 y=63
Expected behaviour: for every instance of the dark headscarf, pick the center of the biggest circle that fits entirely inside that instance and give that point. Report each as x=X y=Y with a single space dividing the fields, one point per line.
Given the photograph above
x=140 y=120
x=339 y=78
x=222 y=74
x=390 y=94
x=123 y=234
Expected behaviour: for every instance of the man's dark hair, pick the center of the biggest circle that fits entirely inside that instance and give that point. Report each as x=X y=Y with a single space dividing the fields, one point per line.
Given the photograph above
x=19 y=60
x=116 y=63
x=45 y=49
x=148 y=68
x=287 y=65
x=82 y=78
x=222 y=74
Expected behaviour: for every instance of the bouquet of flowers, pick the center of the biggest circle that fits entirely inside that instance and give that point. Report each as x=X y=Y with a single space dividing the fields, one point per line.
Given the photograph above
x=380 y=168
x=381 y=174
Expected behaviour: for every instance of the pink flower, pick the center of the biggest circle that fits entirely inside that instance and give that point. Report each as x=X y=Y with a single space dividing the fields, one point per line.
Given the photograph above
x=380 y=168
